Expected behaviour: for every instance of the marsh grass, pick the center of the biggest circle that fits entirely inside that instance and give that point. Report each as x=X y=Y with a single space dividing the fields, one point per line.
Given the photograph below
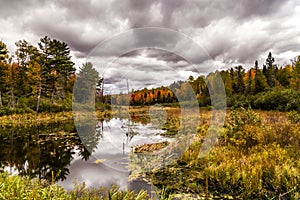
x=16 y=187
x=257 y=157
x=150 y=147
x=29 y=119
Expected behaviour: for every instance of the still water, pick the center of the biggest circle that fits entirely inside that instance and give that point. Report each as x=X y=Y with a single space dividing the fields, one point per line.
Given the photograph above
x=109 y=161
x=57 y=149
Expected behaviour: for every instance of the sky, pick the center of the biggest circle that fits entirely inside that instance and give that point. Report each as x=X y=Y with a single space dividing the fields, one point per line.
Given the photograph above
x=230 y=33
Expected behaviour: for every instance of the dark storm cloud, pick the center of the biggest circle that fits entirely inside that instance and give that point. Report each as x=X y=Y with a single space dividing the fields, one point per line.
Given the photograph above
x=257 y=7
x=72 y=17
x=171 y=41
x=112 y=79
x=138 y=12
x=158 y=54
x=194 y=13
x=229 y=32
x=163 y=55
x=83 y=10
x=70 y=35
x=10 y=8
x=151 y=59
x=133 y=53
x=155 y=38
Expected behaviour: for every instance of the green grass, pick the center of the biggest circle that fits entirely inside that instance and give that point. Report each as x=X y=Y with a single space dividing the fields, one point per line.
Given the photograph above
x=16 y=187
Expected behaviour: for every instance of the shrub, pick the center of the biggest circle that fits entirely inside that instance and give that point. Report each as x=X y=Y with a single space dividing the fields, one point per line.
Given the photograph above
x=242 y=128
x=238 y=101
x=283 y=100
x=294 y=116
x=47 y=106
x=10 y=111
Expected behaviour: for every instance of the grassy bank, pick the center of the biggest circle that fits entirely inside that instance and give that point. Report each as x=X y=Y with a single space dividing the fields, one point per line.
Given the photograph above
x=30 y=118
x=16 y=187
x=46 y=117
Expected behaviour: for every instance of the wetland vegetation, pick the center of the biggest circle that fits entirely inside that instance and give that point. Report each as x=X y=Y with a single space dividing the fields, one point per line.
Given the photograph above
x=257 y=155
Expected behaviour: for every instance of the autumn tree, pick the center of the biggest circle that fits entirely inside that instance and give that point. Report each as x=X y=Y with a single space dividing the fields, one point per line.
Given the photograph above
x=284 y=75
x=56 y=66
x=3 y=52
x=158 y=96
x=28 y=58
x=249 y=85
x=295 y=79
x=63 y=66
x=270 y=74
x=3 y=70
x=233 y=79
x=226 y=77
x=239 y=80
x=12 y=79
x=259 y=79
x=87 y=78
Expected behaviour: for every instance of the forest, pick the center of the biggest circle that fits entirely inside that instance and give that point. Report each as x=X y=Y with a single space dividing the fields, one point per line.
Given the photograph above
x=42 y=79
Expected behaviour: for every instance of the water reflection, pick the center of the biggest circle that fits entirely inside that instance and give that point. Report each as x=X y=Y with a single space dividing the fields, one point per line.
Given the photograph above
x=40 y=151
x=56 y=149
x=110 y=158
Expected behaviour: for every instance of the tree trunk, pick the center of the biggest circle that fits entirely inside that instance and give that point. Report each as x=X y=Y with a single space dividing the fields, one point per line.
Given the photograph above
x=52 y=96
x=37 y=137
x=12 y=97
x=39 y=95
x=0 y=99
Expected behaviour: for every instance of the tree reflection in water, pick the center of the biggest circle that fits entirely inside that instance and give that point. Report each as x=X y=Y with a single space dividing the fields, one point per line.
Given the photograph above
x=96 y=156
x=44 y=150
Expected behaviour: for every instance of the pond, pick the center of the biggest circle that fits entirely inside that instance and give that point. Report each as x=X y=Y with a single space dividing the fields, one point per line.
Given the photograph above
x=109 y=160
x=56 y=150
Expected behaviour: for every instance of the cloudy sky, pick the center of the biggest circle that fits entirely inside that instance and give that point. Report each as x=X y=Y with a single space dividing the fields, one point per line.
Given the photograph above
x=229 y=33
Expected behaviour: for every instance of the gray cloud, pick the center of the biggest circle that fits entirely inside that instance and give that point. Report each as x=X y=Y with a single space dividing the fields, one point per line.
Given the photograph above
x=179 y=14
x=164 y=55
x=10 y=8
x=231 y=32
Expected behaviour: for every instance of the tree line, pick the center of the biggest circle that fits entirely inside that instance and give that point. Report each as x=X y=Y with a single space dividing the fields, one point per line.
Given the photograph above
x=263 y=87
x=41 y=78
